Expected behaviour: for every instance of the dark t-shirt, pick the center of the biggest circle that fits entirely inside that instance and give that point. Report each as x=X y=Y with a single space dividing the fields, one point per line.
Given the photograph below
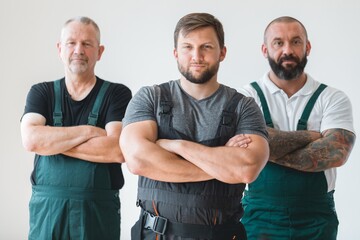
x=40 y=100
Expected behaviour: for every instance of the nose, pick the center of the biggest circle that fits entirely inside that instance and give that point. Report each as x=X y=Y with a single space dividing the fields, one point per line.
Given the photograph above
x=79 y=48
x=197 y=55
x=287 y=49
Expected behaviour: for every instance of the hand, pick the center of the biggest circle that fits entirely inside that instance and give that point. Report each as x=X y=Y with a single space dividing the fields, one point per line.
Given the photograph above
x=240 y=140
x=165 y=144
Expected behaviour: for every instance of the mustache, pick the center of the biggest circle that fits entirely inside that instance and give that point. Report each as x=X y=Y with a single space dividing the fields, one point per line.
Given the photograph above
x=198 y=64
x=289 y=58
x=79 y=57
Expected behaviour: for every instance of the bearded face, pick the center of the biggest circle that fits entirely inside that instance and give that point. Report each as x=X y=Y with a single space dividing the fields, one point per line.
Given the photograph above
x=196 y=77
x=288 y=71
x=78 y=63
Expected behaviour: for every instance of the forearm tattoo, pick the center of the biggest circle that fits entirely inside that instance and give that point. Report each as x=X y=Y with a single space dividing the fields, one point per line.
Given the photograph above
x=331 y=150
x=283 y=142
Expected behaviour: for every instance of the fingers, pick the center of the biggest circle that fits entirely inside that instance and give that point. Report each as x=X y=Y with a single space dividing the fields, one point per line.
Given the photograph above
x=240 y=140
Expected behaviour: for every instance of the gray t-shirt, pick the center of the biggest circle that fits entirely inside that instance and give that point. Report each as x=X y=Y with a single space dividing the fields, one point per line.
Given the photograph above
x=198 y=119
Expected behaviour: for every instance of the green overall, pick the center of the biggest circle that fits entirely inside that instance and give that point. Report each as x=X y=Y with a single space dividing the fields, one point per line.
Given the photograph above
x=285 y=203
x=72 y=198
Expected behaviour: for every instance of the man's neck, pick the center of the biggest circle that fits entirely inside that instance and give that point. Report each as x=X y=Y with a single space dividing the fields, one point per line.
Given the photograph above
x=199 y=91
x=79 y=86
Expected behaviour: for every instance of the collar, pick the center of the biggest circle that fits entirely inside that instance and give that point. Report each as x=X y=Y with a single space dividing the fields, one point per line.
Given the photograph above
x=307 y=89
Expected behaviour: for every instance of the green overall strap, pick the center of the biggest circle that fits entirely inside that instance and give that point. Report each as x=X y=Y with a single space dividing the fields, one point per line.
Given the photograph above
x=264 y=105
x=94 y=114
x=302 y=124
x=57 y=114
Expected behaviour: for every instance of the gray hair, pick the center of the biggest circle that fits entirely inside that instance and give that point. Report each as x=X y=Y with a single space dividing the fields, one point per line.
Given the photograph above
x=86 y=21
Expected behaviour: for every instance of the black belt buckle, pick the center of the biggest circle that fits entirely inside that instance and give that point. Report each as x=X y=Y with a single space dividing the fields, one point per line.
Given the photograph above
x=157 y=224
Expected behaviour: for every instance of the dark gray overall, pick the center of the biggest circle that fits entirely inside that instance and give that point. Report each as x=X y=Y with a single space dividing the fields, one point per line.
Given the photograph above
x=185 y=208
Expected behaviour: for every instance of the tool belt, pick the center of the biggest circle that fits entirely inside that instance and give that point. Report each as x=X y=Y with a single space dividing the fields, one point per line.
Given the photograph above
x=162 y=226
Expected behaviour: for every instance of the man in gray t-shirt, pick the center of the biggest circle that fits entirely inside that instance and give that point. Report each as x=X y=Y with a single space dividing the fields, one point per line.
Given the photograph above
x=194 y=143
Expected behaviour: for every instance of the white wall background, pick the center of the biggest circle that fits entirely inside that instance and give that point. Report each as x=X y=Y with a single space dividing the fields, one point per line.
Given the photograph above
x=137 y=35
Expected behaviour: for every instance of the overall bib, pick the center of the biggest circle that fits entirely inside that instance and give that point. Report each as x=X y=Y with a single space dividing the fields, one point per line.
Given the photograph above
x=185 y=210
x=72 y=198
x=285 y=203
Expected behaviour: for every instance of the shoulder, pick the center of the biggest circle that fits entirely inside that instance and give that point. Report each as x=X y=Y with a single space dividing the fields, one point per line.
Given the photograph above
x=329 y=95
x=155 y=90
x=233 y=94
x=249 y=90
x=116 y=89
x=43 y=88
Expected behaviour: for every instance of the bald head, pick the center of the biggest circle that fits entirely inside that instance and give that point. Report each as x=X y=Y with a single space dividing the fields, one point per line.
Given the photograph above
x=284 y=19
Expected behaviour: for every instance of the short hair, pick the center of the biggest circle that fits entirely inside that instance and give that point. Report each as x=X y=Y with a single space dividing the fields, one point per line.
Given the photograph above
x=86 y=21
x=193 y=21
x=285 y=19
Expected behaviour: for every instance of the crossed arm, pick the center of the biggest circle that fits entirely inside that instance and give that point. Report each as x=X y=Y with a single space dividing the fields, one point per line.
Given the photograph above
x=186 y=161
x=85 y=142
x=310 y=151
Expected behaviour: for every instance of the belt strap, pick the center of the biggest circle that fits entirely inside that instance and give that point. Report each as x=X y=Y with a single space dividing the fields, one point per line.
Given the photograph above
x=162 y=226
x=155 y=223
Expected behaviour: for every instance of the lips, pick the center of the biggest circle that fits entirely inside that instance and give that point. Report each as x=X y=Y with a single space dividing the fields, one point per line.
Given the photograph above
x=198 y=65
x=78 y=59
x=288 y=60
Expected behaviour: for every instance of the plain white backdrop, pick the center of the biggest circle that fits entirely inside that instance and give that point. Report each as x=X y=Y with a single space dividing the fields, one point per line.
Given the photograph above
x=138 y=39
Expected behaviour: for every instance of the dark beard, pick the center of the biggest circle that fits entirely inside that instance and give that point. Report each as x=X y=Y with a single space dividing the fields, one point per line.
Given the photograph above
x=288 y=73
x=203 y=78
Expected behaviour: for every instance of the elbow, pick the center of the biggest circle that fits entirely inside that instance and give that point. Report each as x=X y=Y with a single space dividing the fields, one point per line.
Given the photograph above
x=244 y=175
x=118 y=157
x=345 y=156
x=29 y=146
x=252 y=171
x=251 y=178
x=134 y=167
x=341 y=162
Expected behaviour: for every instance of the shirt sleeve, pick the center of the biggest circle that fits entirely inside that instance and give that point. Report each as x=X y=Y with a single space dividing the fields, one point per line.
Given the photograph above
x=251 y=120
x=119 y=99
x=141 y=107
x=337 y=111
x=40 y=100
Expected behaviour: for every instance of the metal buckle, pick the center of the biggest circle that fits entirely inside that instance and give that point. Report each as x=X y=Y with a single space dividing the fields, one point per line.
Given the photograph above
x=156 y=223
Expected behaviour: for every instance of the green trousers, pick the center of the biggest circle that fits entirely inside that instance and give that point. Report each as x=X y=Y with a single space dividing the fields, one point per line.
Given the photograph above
x=74 y=214
x=285 y=219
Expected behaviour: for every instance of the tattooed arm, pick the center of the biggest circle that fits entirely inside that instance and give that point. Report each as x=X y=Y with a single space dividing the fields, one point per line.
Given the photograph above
x=284 y=142
x=332 y=149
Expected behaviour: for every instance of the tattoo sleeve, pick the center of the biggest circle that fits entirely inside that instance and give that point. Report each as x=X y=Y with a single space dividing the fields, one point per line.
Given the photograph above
x=331 y=150
x=283 y=142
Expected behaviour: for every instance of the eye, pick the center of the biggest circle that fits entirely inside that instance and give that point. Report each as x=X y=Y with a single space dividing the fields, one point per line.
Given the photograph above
x=87 y=44
x=208 y=47
x=278 y=43
x=297 y=42
x=70 y=44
